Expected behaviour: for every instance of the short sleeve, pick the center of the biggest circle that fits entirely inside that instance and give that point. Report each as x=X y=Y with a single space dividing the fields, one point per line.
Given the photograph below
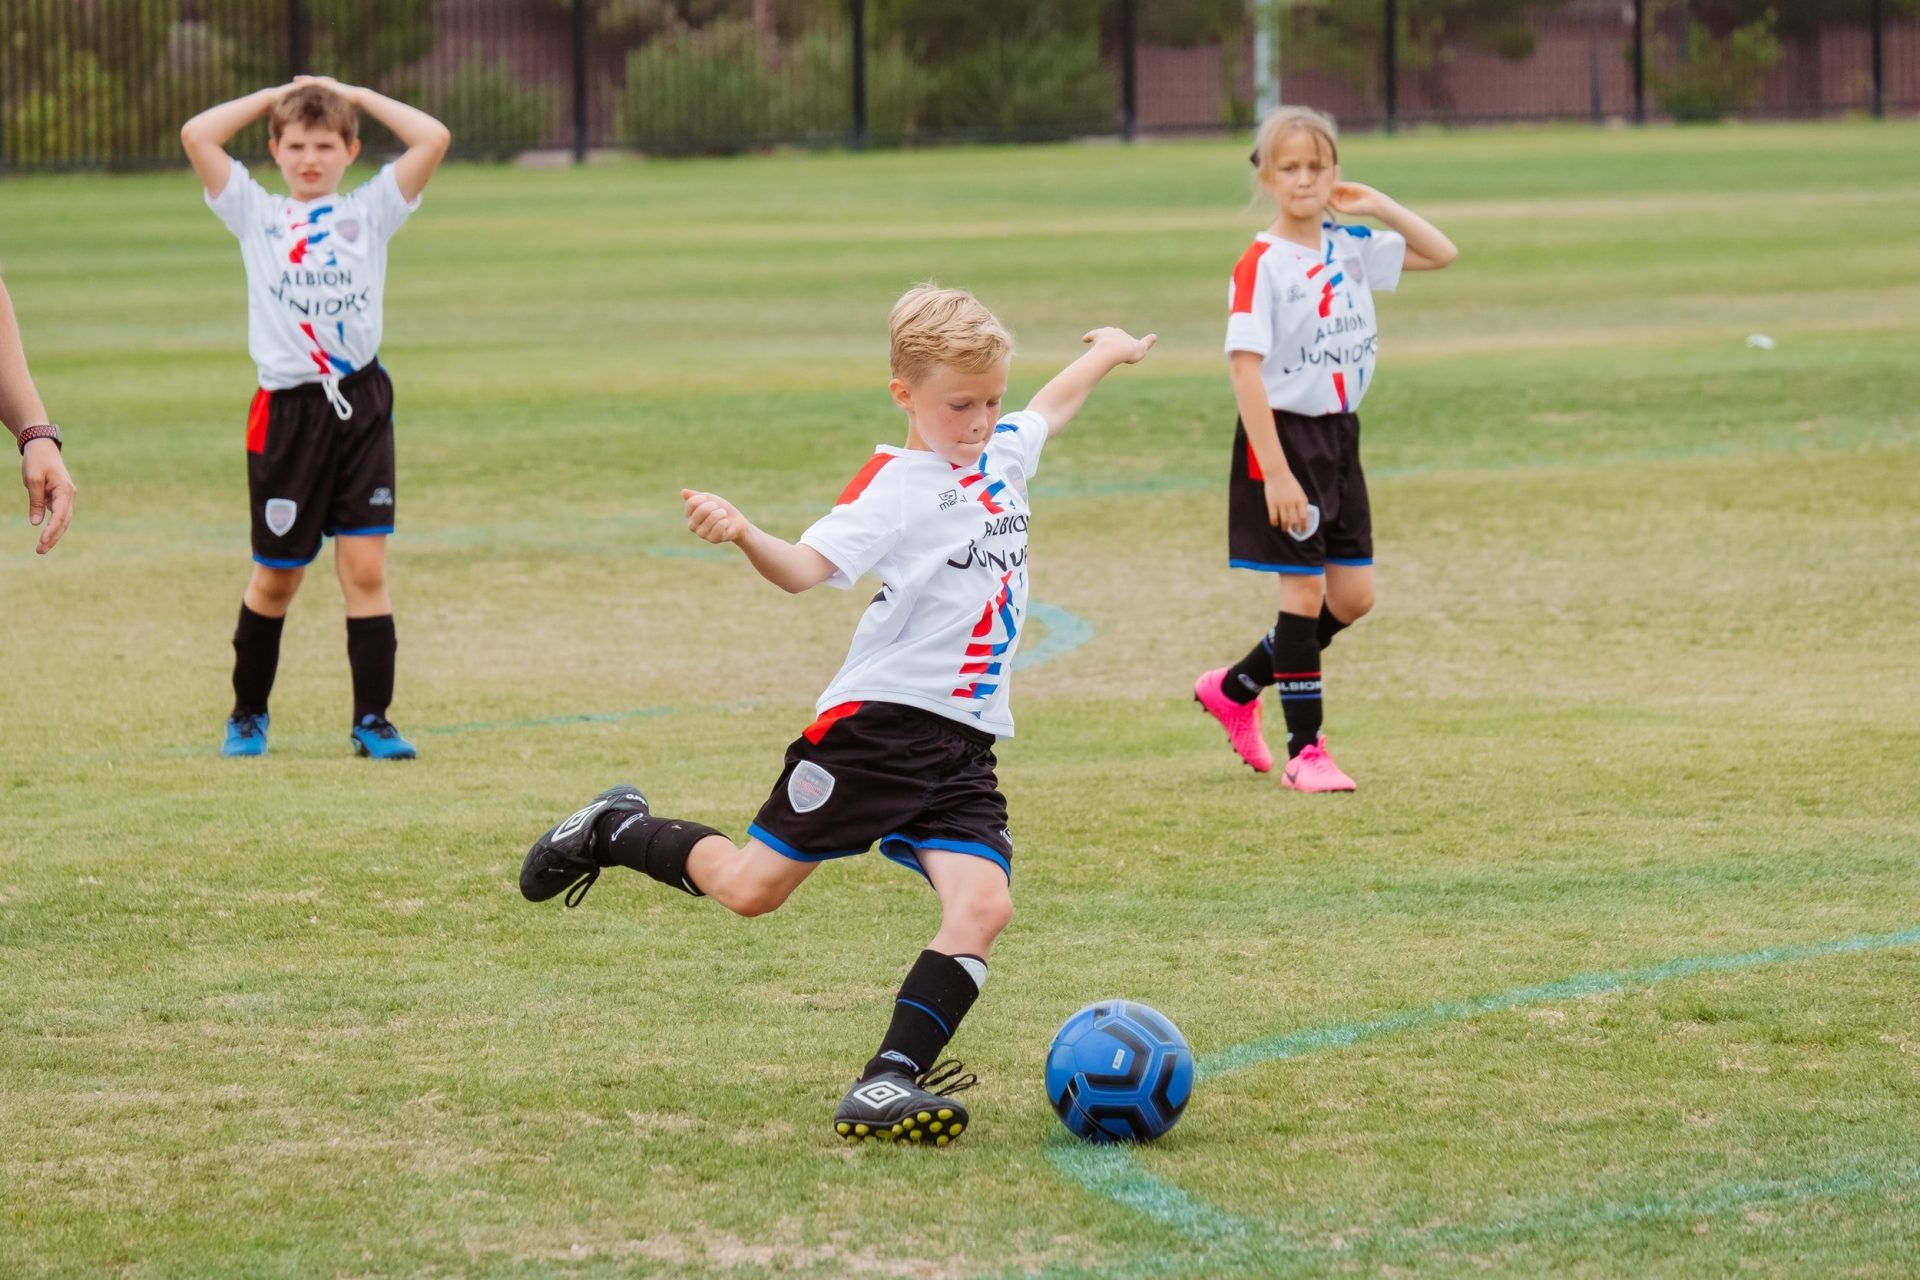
x=862 y=527
x=1384 y=253
x=239 y=201
x=1250 y=303
x=1018 y=439
x=381 y=199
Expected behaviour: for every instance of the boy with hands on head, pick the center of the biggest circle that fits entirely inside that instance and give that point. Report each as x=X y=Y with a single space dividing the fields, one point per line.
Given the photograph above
x=901 y=750
x=320 y=431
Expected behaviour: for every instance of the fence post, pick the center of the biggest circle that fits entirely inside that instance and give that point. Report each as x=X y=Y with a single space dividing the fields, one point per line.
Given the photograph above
x=858 y=10
x=1391 y=59
x=1879 y=59
x=1129 y=68
x=580 y=81
x=296 y=38
x=1639 y=61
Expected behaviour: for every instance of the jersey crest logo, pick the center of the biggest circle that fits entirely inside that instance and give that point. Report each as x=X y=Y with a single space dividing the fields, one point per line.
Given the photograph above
x=808 y=787
x=280 y=513
x=1296 y=293
x=348 y=228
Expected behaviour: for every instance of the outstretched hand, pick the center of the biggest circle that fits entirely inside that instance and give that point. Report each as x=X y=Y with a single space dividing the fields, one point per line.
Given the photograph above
x=1123 y=346
x=712 y=517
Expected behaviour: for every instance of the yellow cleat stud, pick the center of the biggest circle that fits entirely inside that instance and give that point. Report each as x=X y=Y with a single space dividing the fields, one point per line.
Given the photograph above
x=923 y=1117
x=946 y=1114
x=843 y=1128
x=860 y=1129
x=955 y=1131
x=897 y=1128
x=935 y=1126
x=913 y=1135
x=941 y=1141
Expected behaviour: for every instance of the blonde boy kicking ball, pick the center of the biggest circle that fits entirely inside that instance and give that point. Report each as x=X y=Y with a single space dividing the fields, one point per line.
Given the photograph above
x=320 y=431
x=901 y=751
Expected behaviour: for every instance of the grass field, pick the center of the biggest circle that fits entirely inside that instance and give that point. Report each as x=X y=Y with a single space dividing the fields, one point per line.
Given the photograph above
x=1611 y=967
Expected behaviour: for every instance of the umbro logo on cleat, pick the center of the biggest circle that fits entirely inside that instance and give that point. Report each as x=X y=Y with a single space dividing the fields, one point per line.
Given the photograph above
x=879 y=1093
x=572 y=825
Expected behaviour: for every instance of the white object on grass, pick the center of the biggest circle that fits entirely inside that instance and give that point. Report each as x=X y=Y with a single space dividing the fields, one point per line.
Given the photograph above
x=1760 y=342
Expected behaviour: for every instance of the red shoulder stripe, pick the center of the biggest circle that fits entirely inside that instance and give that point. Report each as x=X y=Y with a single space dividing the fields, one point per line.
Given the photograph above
x=858 y=485
x=1243 y=277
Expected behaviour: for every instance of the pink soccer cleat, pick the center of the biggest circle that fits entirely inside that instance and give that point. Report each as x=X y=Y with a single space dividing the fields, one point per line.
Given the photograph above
x=1314 y=770
x=1241 y=721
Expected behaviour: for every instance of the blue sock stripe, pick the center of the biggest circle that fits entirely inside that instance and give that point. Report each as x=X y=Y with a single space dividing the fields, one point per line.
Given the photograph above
x=942 y=1022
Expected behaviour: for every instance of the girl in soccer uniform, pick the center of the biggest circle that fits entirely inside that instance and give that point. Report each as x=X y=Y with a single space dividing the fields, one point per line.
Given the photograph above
x=1302 y=342
x=900 y=753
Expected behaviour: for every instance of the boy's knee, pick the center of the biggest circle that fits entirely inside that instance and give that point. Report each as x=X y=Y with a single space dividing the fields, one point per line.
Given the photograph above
x=276 y=586
x=750 y=898
x=366 y=578
x=987 y=913
x=1352 y=606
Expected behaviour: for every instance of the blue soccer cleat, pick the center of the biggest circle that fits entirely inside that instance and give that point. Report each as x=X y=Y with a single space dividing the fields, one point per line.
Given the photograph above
x=246 y=735
x=376 y=738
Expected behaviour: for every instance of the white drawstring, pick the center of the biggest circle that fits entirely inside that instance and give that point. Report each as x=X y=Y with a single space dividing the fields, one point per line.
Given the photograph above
x=339 y=402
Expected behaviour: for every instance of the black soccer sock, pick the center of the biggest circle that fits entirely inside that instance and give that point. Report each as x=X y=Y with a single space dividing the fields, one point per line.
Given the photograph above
x=371 y=645
x=256 y=657
x=1329 y=626
x=1296 y=671
x=937 y=993
x=653 y=846
x=1248 y=678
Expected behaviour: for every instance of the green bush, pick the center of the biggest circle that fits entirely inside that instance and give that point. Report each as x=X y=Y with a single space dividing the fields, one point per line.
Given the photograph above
x=490 y=112
x=81 y=116
x=1714 y=79
x=699 y=91
x=1043 y=87
x=816 y=91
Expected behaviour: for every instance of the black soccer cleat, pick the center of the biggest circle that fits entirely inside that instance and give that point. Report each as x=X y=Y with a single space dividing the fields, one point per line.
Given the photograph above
x=562 y=860
x=896 y=1107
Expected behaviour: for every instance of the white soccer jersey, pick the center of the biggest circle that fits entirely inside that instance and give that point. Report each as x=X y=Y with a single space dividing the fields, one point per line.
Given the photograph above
x=1309 y=314
x=316 y=274
x=950 y=547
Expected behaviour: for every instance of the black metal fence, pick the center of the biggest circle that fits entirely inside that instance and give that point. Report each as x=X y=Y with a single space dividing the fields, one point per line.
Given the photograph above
x=89 y=83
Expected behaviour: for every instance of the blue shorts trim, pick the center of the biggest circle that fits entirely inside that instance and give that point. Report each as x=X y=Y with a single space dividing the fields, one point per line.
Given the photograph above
x=371 y=531
x=888 y=845
x=1303 y=570
x=273 y=563
x=785 y=850
x=1351 y=564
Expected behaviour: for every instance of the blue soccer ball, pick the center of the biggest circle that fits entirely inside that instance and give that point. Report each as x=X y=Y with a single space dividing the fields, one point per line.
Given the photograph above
x=1119 y=1071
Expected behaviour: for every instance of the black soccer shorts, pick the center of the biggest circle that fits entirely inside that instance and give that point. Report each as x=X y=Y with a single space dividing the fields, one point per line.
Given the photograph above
x=1324 y=455
x=867 y=772
x=312 y=474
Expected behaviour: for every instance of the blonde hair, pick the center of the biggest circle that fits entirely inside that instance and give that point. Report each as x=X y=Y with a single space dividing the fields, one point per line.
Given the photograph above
x=934 y=326
x=1282 y=121
x=315 y=107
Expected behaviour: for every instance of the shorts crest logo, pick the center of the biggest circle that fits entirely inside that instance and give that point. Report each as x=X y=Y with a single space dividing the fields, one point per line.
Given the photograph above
x=279 y=515
x=809 y=787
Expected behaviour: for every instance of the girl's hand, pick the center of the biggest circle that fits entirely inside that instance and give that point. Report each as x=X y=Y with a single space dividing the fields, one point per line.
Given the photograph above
x=1358 y=199
x=712 y=517
x=1286 y=503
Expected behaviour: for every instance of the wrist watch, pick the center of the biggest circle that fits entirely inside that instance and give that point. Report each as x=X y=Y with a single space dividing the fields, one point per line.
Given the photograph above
x=45 y=431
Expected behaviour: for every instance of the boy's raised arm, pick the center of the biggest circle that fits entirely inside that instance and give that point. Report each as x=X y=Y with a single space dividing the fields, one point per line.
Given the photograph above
x=425 y=138
x=1061 y=398
x=790 y=566
x=205 y=136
